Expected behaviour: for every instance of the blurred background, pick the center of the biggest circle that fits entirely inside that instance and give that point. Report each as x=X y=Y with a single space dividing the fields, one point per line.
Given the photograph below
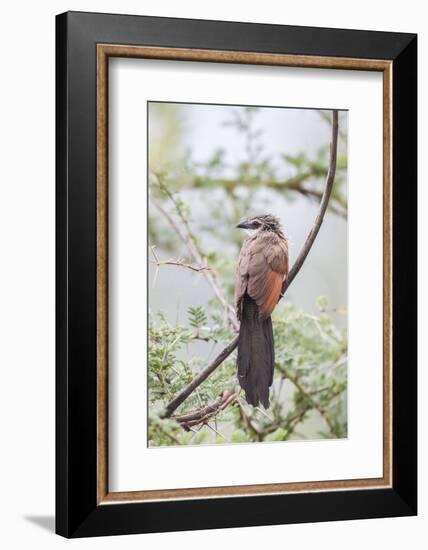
x=209 y=167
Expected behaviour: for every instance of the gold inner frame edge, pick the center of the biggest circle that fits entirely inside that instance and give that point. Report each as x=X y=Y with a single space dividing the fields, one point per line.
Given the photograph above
x=104 y=51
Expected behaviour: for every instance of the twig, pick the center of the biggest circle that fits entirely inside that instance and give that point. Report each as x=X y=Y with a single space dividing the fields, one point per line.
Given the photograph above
x=217 y=432
x=172 y=437
x=202 y=338
x=192 y=430
x=295 y=184
x=197 y=381
x=261 y=411
x=199 y=256
x=313 y=402
x=203 y=414
x=190 y=241
x=290 y=423
x=295 y=420
x=339 y=210
x=203 y=375
x=181 y=263
x=248 y=421
x=171 y=222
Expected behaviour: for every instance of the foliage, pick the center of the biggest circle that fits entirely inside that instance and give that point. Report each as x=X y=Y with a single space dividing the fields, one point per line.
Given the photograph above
x=309 y=385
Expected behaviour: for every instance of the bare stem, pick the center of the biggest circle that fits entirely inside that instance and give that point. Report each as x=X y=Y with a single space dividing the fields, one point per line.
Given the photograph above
x=181 y=263
x=189 y=239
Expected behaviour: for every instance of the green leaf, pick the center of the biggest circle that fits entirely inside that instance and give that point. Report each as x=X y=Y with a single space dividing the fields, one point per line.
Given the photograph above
x=239 y=436
x=186 y=438
x=278 y=435
x=199 y=438
x=197 y=316
x=322 y=302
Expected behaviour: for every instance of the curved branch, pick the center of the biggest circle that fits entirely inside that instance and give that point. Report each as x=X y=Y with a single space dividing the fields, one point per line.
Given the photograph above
x=322 y=208
x=203 y=375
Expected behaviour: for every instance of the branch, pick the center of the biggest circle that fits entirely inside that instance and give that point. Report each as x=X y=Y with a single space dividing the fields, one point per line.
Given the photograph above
x=295 y=184
x=313 y=402
x=197 y=381
x=292 y=422
x=324 y=115
x=203 y=414
x=181 y=263
x=339 y=210
x=172 y=437
x=248 y=421
x=172 y=223
x=191 y=243
x=322 y=208
x=203 y=375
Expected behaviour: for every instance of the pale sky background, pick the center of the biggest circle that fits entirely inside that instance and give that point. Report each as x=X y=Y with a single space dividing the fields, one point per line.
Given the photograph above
x=284 y=130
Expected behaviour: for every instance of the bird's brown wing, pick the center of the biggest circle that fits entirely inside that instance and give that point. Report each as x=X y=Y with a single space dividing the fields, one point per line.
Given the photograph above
x=262 y=268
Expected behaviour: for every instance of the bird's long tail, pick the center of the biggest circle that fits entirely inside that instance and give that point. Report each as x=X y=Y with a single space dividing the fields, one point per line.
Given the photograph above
x=256 y=354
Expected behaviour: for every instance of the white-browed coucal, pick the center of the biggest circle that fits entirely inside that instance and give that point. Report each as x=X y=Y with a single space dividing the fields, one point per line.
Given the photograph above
x=262 y=268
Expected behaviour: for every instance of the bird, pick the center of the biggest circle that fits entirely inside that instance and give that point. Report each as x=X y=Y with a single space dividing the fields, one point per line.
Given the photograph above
x=261 y=270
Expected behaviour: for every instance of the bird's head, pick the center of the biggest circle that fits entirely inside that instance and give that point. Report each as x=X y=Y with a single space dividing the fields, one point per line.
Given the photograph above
x=264 y=222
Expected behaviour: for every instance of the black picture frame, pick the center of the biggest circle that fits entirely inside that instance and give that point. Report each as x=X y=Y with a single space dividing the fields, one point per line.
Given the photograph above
x=77 y=511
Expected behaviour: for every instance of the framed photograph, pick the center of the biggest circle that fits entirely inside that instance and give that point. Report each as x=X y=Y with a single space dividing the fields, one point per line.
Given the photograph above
x=236 y=274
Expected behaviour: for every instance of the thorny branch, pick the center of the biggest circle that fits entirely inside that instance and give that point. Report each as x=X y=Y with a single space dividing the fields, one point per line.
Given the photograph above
x=224 y=354
x=197 y=381
x=249 y=422
x=314 y=403
x=202 y=415
x=179 y=263
x=189 y=239
x=182 y=263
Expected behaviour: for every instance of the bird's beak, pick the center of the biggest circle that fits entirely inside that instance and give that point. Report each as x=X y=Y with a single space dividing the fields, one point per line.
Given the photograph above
x=245 y=225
